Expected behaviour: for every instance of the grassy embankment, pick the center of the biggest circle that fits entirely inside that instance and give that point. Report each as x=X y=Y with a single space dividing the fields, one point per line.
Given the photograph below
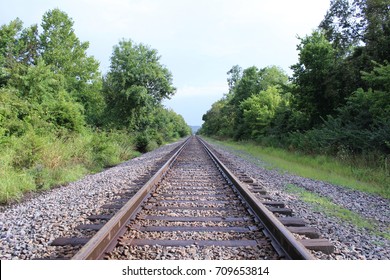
x=363 y=178
x=38 y=162
x=318 y=167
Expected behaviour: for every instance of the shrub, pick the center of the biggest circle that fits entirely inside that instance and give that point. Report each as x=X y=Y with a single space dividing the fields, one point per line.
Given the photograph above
x=141 y=142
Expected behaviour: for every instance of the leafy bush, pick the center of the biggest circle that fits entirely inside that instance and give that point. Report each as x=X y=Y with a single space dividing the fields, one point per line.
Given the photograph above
x=26 y=150
x=152 y=145
x=13 y=110
x=36 y=162
x=141 y=142
x=104 y=151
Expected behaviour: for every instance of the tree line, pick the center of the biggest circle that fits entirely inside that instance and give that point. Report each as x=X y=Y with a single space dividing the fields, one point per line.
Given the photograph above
x=52 y=94
x=337 y=100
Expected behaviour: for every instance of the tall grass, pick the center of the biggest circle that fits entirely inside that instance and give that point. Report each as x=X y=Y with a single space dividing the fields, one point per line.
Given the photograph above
x=354 y=174
x=37 y=162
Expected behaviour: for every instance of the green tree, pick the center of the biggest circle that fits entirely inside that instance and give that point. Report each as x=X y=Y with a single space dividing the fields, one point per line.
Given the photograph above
x=136 y=82
x=287 y=118
x=359 y=31
x=17 y=46
x=315 y=91
x=259 y=110
x=50 y=105
x=379 y=81
x=13 y=111
x=235 y=74
x=214 y=119
x=343 y=25
x=251 y=92
x=9 y=41
x=252 y=82
x=248 y=85
x=63 y=51
x=377 y=29
x=169 y=124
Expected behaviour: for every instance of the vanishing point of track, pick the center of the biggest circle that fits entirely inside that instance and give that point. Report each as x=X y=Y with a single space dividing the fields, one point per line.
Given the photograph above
x=198 y=207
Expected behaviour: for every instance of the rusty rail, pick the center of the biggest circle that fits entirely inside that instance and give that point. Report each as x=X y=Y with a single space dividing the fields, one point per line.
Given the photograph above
x=106 y=238
x=285 y=240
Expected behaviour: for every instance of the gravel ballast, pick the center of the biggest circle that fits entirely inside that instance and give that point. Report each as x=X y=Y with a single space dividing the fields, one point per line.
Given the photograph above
x=27 y=228
x=351 y=242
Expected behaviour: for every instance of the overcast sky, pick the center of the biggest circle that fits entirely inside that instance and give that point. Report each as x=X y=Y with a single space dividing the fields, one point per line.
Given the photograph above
x=198 y=40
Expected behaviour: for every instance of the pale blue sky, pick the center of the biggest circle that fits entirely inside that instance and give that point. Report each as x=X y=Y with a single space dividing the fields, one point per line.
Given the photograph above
x=198 y=40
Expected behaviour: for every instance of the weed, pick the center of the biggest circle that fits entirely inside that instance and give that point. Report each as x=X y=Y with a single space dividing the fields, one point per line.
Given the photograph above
x=326 y=206
x=318 y=167
x=37 y=162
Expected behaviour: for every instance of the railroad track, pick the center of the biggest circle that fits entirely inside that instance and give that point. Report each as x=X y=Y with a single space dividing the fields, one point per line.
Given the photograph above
x=194 y=207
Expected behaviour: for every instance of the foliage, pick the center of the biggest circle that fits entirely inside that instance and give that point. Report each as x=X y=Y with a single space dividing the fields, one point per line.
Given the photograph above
x=12 y=112
x=314 y=91
x=218 y=120
x=253 y=99
x=135 y=84
x=57 y=117
x=337 y=101
x=142 y=141
x=38 y=162
x=164 y=125
x=18 y=44
x=62 y=50
x=260 y=109
x=345 y=170
x=343 y=25
x=134 y=88
x=250 y=83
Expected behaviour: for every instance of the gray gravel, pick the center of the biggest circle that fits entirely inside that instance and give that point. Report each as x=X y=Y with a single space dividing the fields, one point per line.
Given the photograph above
x=350 y=241
x=193 y=169
x=27 y=228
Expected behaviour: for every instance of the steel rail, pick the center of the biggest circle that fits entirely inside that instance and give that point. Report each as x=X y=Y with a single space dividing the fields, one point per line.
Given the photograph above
x=286 y=241
x=106 y=238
